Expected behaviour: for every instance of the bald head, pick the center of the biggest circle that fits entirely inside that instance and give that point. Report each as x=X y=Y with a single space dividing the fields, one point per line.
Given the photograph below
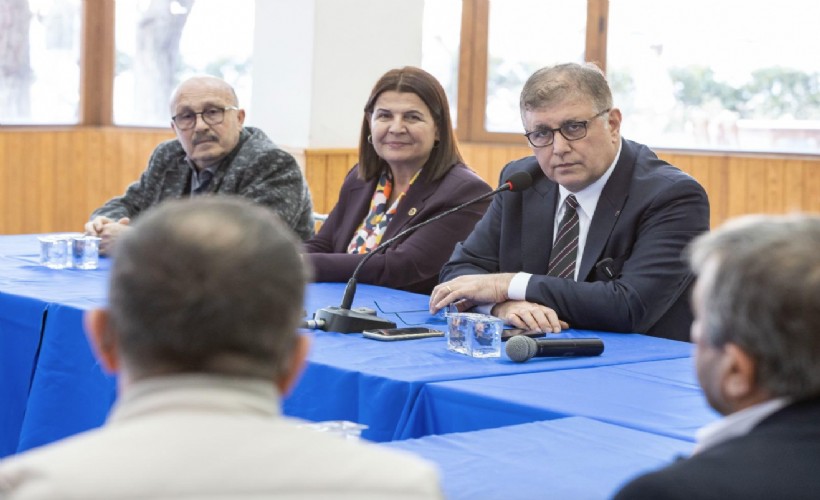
x=204 y=84
x=207 y=119
x=212 y=284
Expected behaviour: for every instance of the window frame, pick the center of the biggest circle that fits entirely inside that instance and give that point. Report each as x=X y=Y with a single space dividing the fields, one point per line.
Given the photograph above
x=473 y=61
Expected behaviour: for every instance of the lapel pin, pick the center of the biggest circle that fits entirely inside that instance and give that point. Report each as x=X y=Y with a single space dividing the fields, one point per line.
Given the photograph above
x=411 y=212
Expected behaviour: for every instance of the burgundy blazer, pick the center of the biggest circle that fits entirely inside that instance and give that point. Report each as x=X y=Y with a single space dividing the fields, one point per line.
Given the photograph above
x=413 y=262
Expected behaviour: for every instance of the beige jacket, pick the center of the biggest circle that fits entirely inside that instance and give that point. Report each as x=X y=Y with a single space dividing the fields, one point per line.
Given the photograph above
x=202 y=437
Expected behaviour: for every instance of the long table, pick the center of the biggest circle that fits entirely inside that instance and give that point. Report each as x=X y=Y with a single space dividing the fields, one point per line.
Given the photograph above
x=663 y=398
x=52 y=387
x=569 y=458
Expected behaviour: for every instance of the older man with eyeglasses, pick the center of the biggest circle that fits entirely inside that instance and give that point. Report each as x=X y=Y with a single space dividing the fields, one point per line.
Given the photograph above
x=597 y=242
x=214 y=153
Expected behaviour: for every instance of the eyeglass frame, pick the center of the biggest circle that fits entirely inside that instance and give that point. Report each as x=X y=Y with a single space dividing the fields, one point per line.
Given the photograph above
x=202 y=114
x=582 y=123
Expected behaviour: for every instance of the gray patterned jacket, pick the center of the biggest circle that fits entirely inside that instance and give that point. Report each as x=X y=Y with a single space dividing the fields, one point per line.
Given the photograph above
x=256 y=169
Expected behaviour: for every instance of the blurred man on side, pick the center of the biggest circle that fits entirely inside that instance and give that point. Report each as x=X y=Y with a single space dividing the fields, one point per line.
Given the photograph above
x=757 y=330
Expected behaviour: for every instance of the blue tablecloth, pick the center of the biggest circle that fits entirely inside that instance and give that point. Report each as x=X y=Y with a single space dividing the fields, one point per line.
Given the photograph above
x=55 y=388
x=569 y=458
x=21 y=321
x=377 y=383
x=661 y=397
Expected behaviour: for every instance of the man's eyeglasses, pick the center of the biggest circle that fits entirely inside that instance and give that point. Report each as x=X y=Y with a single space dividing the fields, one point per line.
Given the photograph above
x=571 y=131
x=212 y=116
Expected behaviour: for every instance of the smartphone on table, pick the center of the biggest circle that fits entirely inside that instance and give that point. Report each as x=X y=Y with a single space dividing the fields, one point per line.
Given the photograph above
x=415 y=332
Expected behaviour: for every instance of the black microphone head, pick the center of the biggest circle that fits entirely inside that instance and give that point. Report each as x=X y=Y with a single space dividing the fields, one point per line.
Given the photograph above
x=519 y=181
x=520 y=348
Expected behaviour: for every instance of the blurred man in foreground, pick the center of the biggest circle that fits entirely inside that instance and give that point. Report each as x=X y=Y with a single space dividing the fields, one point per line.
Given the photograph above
x=202 y=331
x=757 y=330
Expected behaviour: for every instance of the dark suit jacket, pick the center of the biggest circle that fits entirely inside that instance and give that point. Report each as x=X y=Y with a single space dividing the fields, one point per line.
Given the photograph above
x=779 y=458
x=413 y=262
x=632 y=277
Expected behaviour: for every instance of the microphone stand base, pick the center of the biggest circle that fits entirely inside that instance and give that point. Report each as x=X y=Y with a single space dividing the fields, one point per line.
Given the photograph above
x=341 y=320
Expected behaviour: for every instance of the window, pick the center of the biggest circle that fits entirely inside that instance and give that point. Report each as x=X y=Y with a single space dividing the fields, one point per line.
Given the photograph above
x=39 y=61
x=440 y=45
x=717 y=75
x=525 y=35
x=696 y=74
x=162 y=42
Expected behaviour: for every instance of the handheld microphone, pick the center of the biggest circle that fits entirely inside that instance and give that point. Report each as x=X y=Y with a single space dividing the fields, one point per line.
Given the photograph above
x=521 y=348
x=343 y=319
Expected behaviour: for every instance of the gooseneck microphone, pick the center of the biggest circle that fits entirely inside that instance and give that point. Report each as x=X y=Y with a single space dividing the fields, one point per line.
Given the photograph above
x=343 y=319
x=521 y=348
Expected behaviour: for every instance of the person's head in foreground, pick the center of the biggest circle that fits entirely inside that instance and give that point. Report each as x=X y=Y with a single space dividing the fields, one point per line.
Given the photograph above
x=211 y=285
x=757 y=311
x=757 y=334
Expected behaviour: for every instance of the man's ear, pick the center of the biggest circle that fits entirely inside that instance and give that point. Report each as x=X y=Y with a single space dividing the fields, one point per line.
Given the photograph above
x=740 y=387
x=295 y=365
x=614 y=120
x=104 y=342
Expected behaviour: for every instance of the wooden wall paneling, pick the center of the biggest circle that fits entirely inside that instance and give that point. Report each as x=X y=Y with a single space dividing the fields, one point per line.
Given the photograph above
x=16 y=174
x=70 y=178
x=773 y=174
x=94 y=154
x=5 y=186
x=737 y=191
x=478 y=158
x=108 y=164
x=44 y=196
x=793 y=185
x=755 y=179
x=338 y=165
x=128 y=153
x=718 y=189
x=316 y=177
x=811 y=186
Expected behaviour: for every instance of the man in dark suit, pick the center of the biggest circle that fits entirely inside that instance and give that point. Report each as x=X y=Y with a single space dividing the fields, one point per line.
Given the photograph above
x=757 y=335
x=597 y=241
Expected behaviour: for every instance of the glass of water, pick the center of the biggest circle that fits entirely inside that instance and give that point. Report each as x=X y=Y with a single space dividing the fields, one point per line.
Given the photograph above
x=476 y=335
x=85 y=252
x=54 y=252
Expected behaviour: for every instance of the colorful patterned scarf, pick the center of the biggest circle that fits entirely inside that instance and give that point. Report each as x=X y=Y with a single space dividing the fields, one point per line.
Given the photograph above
x=369 y=234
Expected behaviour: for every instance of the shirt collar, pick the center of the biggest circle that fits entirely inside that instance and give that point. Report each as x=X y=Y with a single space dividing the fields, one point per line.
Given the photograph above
x=215 y=393
x=588 y=197
x=736 y=424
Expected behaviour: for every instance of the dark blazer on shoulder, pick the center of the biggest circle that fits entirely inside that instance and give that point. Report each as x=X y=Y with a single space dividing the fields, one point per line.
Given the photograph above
x=779 y=458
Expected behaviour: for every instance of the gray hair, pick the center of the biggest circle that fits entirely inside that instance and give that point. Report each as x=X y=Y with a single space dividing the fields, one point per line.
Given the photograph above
x=765 y=297
x=554 y=84
x=208 y=285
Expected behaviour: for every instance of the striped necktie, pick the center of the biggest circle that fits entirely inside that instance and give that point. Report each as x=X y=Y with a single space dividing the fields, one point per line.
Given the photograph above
x=565 y=248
